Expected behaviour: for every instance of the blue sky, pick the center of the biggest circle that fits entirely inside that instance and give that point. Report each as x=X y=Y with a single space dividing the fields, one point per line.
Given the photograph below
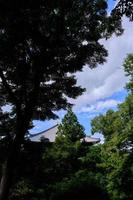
x=104 y=84
x=111 y=4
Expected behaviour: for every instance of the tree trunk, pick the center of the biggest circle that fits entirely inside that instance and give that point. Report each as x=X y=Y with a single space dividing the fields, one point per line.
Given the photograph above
x=22 y=126
x=8 y=170
x=5 y=182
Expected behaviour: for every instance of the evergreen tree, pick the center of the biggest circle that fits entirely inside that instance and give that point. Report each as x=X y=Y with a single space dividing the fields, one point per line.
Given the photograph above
x=63 y=157
x=70 y=165
x=70 y=127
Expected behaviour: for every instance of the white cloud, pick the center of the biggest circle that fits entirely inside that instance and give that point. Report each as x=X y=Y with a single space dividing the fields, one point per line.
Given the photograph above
x=100 y=106
x=105 y=80
x=111 y=103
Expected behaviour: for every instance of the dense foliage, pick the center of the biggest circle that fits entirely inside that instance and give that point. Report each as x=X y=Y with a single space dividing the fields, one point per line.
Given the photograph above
x=65 y=169
x=117 y=151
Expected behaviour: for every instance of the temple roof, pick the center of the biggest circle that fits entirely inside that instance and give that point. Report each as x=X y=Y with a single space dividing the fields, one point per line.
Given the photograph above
x=50 y=135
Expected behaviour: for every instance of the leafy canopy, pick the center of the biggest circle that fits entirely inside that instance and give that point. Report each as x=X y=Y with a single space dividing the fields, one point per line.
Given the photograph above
x=40 y=42
x=117 y=151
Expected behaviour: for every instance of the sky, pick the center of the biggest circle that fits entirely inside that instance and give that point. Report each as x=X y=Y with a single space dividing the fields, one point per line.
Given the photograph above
x=104 y=84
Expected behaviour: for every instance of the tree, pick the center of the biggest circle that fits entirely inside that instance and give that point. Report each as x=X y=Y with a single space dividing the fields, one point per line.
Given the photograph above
x=71 y=166
x=63 y=157
x=41 y=44
x=70 y=127
x=117 y=151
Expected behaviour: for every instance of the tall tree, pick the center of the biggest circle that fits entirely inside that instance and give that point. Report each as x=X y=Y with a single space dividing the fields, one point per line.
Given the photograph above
x=70 y=165
x=63 y=157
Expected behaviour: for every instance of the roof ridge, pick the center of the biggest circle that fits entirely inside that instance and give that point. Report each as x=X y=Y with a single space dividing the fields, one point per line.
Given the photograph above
x=32 y=135
x=92 y=137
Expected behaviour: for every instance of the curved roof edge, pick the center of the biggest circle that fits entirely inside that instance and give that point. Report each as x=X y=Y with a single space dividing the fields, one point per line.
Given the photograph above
x=33 y=135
